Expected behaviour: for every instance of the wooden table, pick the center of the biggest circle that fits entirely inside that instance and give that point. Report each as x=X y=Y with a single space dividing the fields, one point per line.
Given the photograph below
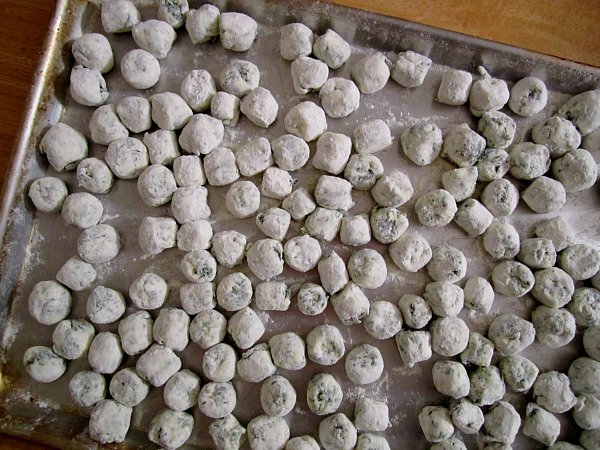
x=565 y=28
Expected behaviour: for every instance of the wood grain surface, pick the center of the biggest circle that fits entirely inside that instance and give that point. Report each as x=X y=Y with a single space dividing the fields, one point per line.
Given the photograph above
x=568 y=29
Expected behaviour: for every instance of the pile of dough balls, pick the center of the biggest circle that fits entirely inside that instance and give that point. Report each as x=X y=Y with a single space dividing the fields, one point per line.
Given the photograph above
x=233 y=280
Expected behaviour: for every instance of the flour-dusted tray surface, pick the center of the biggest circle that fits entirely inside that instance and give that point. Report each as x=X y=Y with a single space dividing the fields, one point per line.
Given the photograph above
x=36 y=245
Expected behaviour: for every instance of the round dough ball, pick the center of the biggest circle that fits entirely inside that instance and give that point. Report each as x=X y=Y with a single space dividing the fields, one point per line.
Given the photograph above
x=308 y=74
x=422 y=143
x=500 y=197
x=76 y=274
x=229 y=247
x=43 y=365
x=333 y=273
x=410 y=69
x=367 y=268
x=518 y=372
x=364 y=364
x=528 y=96
x=325 y=345
x=460 y=182
x=140 y=69
x=265 y=258
x=49 y=302
x=371 y=137
x=493 y=164
x=486 y=386
x=227 y=432
x=64 y=147
x=371 y=73
x=413 y=346
x=127 y=158
x=105 y=353
x=583 y=374
x=234 y=292
x=302 y=443
x=119 y=16
x=277 y=396
x=473 y=217
x=170 y=111
x=181 y=391
x=324 y=223
x=501 y=240
x=332 y=49
x=323 y=394
x=87 y=388
x=135 y=332
x=128 y=388
x=487 y=94
x=239 y=77
x=208 y=328
x=586 y=412
x=92 y=50
x=99 y=244
x=295 y=40
x=225 y=107
x=580 y=261
x=302 y=253
x=463 y=146
x=312 y=299
x=436 y=208
x=154 y=36
x=454 y=87
x=553 y=327
x=171 y=429
x=158 y=364
x=384 y=320
x=254 y=156
x=351 y=304
x=267 y=432
x=201 y=135
x=134 y=113
x=218 y=363
x=416 y=312
x=171 y=328
x=199 y=266
x=529 y=161
x=552 y=391
x=553 y=287
x=577 y=170
x=410 y=252
x=513 y=279
x=447 y=264
x=242 y=199
x=237 y=31
x=105 y=305
x=497 y=128
x=173 y=12
x=537 y=253
x=48 y=194
x=109 y=420
x=502 y=423
x=479 y=294
x=392 y=190
x=217 y=400
x=260 y=107
x=187 y=169
x=87 y=86
x=157 y=234
x=198 y=89
x=202 y=24
x=256 y=364
x=287 y=350
x=545 y=195
x=583 y=111
x=337 y=432
x=387 y=224
x=339 y=97
x=435 y=423
x=306 y=120
x=246 y=328
x=466 y=416
x=72 y=338
x=511 y=334
x=450 y=378
x=557 y=134
x=106 y=127
x=82 y=210
x=444 y=298
x=148 y=291
x=189 y=204
x=449 y=336
x=290 y=152
x=591 y=342
x=274 y=222
x=363 y=171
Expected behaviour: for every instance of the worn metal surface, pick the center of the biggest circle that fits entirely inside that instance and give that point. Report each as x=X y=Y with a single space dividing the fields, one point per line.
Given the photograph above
x=36 y=245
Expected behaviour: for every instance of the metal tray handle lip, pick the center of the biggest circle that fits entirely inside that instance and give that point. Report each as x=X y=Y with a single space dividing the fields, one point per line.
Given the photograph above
x=10 y=194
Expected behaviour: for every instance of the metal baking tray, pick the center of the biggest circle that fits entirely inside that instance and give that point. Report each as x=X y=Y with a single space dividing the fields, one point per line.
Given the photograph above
x=36 y=245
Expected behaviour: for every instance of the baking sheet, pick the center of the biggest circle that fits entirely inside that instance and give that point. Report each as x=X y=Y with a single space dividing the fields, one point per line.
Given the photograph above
x=36 y=245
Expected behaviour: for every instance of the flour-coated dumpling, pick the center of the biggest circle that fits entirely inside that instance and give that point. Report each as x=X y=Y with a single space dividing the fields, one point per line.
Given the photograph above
x=260 y=107
x=324 y=223
x=501 y=240
x=202 y=24
x=76 y=274
x=134 y=112
x=82 y=210
x=511 y=334
x=583 y=110
x=332 y=49
x=288 y=351
x=422 y=143
x=228 y=247
x=364 y=364
x=479 y=351
x=387 y=224
x=234 y=292
x=290 y=152
x=449 y=336
x=502 y=422
x=171 y=429
x=463 y=146
x=557 y=134
x=512 y=278
x=410 y=69
x=154 y=36
x=276 y=183
x=435 y=423
x=586 y=412
x=87 y=388
x=580 y=261
x=158 y=364
x=325 y=345
x=479 y=294
x=473 y=217
x=497 y=128
x=493 y=164
x=333 y=273
x=302 y=253
x=436 y=208
x=256 y=364
x=197 y=89
x=48 y=194
x=225 y=107
x=181 y=391
x=363 y=171
x=140 y=69
x=583 y=374
x=576 y=170
x=444 y=298
x=410 y=252
x=242 y=199
x=545 y=195
x=245 y=327
x=308 y=74
x=217 y=400
x=171 y=328
x=92 y=50
x=254 y=156
x=274 y=222
x=371 y=73
x=199 y=266
x=447 y=264
x=135 y=332
x=306 y=120
x=337 y=432
x=128 y=388
x=355 y=230
x=486 y=386
x=540 y=424
x=173 y=12
x=148 y=291
x=324 y=394
x=393 y=189
x=119 y=16
x=267 y=432
x=265 y=258
x=170 y=111
x=156 y=185
x=367 y=268
x=460 y=182
x=552 y=390
x=227 y=433
x=127 y=157
x=487 y=94
x=413 y=346
x=239 y=77
x=109 y=421
x=43 y=365
x=49 y=302
x=371 y=137
x=189 y=204
x=466 y=416
x=302 y=443
x=201 y=135
x=64 y=147
x=518 y=372
x=529 y=161
x=157 y=234
x=87 y=86
x=105 y=353
x=454 y=87
x=339 y=97
x=237 y=31
x=272 y=296
x=295 y=41
x=71 y=339
x=500 y=197
x=218 y=363
x=384 y=320
x=277 y=396
x=528 y=96
x=194 y=235
x=416 y=312
x=208 y=328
